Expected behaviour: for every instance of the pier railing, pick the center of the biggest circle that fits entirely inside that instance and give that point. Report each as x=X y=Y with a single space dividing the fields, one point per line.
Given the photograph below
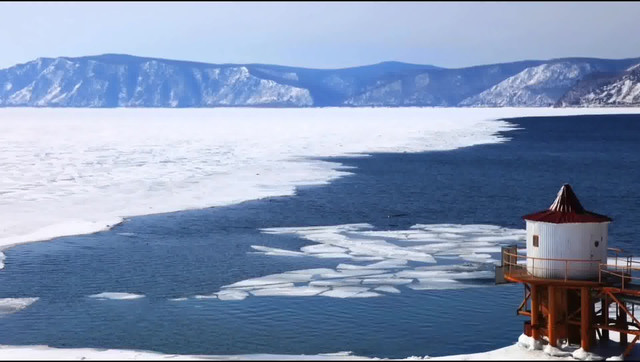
x=623 y=271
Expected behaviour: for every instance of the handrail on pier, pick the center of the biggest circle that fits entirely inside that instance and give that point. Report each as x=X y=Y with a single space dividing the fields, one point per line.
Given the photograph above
x=513 y=264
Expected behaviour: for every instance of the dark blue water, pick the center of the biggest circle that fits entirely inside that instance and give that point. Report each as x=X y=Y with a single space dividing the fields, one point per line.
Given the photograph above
x=197 y=252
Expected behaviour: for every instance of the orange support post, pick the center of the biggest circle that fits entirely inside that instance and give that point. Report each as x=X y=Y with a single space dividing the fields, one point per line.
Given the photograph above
x=605 y=313
x=621 y=320
x=585 y=319
x=551 y=320
x=535 y=333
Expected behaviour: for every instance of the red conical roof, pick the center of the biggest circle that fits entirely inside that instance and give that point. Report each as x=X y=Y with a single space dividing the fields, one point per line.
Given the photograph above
x=566 y=209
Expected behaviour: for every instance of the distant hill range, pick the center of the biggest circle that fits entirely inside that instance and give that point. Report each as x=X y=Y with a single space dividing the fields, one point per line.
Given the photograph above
x=113 y=80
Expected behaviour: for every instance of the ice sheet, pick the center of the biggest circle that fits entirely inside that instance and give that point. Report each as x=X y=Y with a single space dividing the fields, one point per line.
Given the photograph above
x=518 y=350
x=44 y=353
x=514 y=352
x=73 y=171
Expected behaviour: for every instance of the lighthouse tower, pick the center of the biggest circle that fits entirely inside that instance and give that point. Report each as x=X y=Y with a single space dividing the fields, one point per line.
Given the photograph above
x=565 y=232
x=565 y=275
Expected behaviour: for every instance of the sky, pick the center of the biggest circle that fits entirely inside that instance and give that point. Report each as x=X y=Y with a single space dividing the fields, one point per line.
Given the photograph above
x=322 y=34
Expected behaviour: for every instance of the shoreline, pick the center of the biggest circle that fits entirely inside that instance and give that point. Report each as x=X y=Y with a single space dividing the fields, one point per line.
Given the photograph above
x=520 y=350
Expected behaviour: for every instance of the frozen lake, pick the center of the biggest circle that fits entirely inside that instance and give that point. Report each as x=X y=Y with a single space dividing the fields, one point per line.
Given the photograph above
x=391 y=260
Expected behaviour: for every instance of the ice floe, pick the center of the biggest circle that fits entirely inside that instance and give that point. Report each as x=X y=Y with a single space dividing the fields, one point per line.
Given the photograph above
x=387 y=289
x=275 y=251
x=12 y=305
x=117 y=296
x=344 y=292
x=181 y=299
x=303 y=291
x=387 y=263
x=213 y=296
x=230 y=294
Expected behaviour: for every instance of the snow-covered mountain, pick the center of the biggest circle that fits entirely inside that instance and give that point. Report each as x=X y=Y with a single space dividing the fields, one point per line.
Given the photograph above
x=113 y=80
x=138 y=82
x=539 y=86
x=440 y=87
x=606 y=90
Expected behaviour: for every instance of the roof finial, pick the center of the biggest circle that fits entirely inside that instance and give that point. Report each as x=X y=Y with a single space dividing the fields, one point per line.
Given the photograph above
x=566 y=209
x=567 y=201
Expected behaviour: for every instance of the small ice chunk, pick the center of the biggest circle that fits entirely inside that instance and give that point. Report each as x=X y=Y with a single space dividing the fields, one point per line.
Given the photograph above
x=303 y=291
x=366 y=295
x=452 y=268
x=366 y=258
x=476 y=257
x=181 y=299
x=387 y=289
x=333 y=256
x=336 y=282
x=12 y=305
x=428 y=274
x=211 y=296
x=316 y=271
x=278 y=285
x=351 y=273
x=275 y=251
x=231 y=294
x=322 y=249
x=427 y=284
x=344 y=292
x=616 y=358
x=127 y=234
x=394 y=281
x=580 y=354
x=424 y=274
x=117 y=296
x=273 y=279
x=385 y=264
x=555 y=352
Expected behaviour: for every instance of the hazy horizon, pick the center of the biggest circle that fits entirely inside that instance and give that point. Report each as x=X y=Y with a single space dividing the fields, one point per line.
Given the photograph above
x=322 y=35
x=293 y=66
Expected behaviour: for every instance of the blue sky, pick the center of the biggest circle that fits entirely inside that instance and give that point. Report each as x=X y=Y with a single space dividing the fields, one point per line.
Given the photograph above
x=322 y=35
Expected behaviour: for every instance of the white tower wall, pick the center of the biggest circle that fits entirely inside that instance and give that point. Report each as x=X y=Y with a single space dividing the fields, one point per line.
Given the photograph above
x=580 y=241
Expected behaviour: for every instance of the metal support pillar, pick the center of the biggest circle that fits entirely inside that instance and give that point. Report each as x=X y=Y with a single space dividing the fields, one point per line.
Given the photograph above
x=622 y=323
x=552 y=318
x=605 y=314
x=585 y=319
x=535 y=332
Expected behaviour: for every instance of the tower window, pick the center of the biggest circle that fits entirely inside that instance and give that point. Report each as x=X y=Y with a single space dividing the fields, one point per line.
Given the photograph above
x=536 y=240
x=597 y=243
